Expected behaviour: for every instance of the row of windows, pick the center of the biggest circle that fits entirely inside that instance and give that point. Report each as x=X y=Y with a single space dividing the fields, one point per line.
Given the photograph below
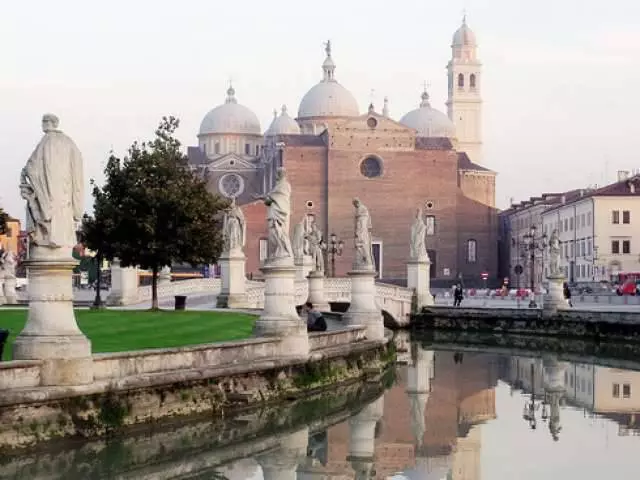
x=626 y=217
x=626 y=390
x=583 y=248
x=472 y=80
x=247 y=148
x=581 y=385
x=568 y=224
x=615 y=246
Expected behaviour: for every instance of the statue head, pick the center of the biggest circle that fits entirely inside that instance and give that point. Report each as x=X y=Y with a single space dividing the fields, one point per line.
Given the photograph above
x=49 y=122
x=281 y=173
x=356 y=202
x=419 y=212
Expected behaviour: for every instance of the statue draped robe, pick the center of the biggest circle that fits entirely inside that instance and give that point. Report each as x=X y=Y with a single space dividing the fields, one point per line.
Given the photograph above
x=418 y=232
x=54 y=174
x=278 y=202
x=234 y=229
x=363 y=245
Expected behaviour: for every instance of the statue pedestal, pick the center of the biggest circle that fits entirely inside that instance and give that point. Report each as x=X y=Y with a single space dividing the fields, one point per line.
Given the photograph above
x=304 y=265
x=279 y=317
x=2 y=300
x=364 y=309
x=316 y=292
x=282 y=463
x=233 y=293
x=419 y=280
x=164 y=276
x=10 y=295
x=51 y=333
x=124 y=285
x=554 y=299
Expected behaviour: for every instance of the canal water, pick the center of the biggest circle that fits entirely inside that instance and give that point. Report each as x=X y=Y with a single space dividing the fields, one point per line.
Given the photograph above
x=447 y=412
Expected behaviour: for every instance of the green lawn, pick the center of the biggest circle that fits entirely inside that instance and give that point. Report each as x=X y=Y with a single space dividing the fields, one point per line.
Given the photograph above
x=121 y=330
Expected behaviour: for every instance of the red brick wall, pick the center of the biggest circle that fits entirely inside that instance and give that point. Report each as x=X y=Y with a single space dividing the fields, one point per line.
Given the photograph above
x=331 y=178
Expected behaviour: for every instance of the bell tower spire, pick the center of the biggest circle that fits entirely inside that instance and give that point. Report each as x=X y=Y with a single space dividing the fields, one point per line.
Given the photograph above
x=464 y=103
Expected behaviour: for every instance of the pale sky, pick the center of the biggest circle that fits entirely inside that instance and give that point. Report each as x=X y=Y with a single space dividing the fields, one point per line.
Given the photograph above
x=560 y=79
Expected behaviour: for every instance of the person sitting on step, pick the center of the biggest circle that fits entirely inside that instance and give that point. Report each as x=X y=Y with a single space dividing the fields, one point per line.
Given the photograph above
x=315 y=320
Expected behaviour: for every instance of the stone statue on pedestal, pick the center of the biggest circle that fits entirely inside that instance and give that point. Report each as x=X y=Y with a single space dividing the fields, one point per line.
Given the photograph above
x=298 y=242
x=8 y=265
x=362 y=237
x=418 y=233
x=52 y=184
x=234 y=228
x=316 y=248
x=278 y=203
x=554 y=254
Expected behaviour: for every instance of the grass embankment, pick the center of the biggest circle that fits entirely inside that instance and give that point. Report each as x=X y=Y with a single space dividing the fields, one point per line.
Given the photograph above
x=122 y=330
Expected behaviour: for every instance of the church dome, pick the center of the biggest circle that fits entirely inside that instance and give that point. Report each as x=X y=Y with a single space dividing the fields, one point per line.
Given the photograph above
x=230 y=117
x=328 y=98
x=283 y=124
x=428 y=121
x=464 y=35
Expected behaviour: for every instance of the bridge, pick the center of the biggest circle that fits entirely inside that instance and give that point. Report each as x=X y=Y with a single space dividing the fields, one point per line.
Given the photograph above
x=393 y=300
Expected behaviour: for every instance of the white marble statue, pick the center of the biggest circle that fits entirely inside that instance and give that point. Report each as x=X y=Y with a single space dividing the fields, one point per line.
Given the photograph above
x=8 y=265
x=316 y=246
x=362 y=237
x=234 y=228
x=418 y=233
x=52 y=183
x=554 y=253
x=278 y=203
x=299 y=240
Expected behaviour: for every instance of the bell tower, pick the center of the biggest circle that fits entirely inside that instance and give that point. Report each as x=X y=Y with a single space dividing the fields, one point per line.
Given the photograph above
x=464 y=103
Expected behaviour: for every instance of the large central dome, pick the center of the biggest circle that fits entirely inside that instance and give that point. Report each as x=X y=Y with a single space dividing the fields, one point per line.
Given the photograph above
x=328 y=98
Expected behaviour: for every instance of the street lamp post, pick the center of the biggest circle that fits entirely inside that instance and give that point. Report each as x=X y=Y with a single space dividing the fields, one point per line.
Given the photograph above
x=334 y=248
x=532 y=244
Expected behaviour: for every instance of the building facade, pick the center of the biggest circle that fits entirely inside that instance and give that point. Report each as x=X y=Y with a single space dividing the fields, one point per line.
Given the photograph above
x=333 y=152
x=599 y=231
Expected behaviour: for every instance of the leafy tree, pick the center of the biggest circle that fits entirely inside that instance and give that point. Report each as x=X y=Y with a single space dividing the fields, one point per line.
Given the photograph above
x=153 y=211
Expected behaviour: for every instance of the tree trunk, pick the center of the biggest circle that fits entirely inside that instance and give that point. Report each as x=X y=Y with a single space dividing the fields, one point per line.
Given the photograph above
x=97 y=303
x=154 y=288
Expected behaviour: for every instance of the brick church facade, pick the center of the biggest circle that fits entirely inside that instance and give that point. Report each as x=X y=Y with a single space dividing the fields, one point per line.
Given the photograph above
x=332 y=154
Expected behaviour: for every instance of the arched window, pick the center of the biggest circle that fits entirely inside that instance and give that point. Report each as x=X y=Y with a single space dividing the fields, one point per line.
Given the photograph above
x=216 y=147
x=472 y=80
x=460 y=80
x=472 y=250
x=247 y=149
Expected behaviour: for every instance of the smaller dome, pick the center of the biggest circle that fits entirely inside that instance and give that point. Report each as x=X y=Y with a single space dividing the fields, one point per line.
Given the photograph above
x=283 y=124
x=230 y=117
x=464 y=36
x=428 y=121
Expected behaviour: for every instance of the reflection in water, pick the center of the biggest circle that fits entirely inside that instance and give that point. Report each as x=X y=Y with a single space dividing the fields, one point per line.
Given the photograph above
x=445 y=415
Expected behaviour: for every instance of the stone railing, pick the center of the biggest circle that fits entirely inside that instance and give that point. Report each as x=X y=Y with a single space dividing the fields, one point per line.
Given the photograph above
x=109 y=366
x=182 y=287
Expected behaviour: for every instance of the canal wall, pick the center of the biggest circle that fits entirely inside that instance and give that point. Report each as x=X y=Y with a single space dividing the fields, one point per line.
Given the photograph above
x=195 y=445
x=144 y=386
x=598 y=325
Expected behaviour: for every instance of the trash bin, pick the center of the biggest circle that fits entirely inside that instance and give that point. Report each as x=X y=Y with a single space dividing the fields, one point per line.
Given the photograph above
x=4 y=334
x=181 y=302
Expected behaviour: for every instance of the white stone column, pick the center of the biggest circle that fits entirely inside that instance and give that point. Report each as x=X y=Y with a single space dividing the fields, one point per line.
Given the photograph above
x=282 y=463
x=51 y=333
x=164 y=276
x=364 y=309
x=279 y=317
x=124 y=284
x=554 y=298
x=232 y=273
x=362 y=438
x=316 y=292
x=304 y=265
x=419 y=279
